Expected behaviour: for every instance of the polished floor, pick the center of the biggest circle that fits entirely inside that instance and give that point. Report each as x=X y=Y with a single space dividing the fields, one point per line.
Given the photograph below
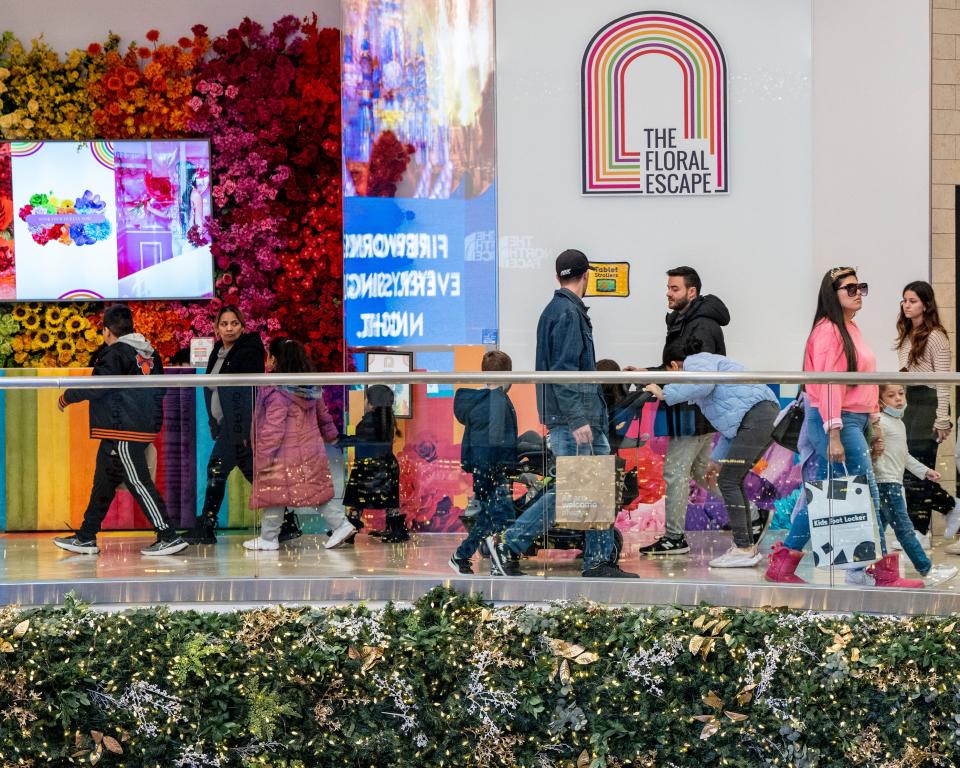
x=33 y=571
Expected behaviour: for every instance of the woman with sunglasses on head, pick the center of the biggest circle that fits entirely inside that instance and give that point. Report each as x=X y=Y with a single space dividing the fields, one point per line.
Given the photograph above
x=837 y=417
x=923 y=347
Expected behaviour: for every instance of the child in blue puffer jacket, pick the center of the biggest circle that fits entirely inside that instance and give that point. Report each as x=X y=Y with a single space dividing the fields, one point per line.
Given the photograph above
x=743 y=414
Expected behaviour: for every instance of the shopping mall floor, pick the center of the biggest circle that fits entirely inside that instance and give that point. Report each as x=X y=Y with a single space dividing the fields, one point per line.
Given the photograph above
x=34 y=571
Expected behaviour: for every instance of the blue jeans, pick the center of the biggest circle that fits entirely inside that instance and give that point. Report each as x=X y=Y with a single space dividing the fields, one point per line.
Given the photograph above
x=893 y=512
x=853 y=436
x=491 y=489
x=531 y=525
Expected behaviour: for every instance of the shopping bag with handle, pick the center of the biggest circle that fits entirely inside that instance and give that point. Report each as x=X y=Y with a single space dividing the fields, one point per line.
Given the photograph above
x=586 y=492
x=843 y=522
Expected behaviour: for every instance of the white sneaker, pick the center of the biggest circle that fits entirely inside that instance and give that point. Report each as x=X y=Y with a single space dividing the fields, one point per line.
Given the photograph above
x=261 y=544
x=340 y=535
x=737 y=558
x=939 y=574
x=858 y=577
x=953 y=549
x=953 y=521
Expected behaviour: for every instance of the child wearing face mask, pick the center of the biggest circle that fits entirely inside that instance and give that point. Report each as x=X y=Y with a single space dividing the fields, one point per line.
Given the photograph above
x=889 y=467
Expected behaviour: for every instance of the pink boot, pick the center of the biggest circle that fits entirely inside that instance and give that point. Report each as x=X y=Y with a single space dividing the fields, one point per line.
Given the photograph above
x=782 y=565
x=886 y=573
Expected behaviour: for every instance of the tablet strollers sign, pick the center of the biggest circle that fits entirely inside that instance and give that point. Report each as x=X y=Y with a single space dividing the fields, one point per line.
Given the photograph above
x=654 y=95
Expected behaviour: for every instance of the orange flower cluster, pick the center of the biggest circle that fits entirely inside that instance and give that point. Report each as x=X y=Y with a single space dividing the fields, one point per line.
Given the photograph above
x=158 y=321
x=146 y=92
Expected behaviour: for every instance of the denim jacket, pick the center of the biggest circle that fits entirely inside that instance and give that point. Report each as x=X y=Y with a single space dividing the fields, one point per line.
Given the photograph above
x=565 y=343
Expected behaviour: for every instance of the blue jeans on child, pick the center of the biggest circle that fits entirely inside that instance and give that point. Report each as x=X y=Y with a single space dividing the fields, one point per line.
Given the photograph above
x=893 y=512
x=598 y=548
x=858 y=462
x=491 y=490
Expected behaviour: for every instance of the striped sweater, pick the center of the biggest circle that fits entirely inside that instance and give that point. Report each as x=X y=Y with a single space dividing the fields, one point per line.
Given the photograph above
x=935 y=359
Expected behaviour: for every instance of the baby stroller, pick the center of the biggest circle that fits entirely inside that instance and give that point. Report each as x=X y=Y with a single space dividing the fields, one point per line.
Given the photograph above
x=536 y=471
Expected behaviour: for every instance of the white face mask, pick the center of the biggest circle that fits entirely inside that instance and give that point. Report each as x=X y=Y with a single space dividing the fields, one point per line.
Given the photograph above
x=897 y=413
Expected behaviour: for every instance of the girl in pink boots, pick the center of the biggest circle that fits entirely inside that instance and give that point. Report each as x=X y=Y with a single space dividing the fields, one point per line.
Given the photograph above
x=290 y=426
x=889 y=468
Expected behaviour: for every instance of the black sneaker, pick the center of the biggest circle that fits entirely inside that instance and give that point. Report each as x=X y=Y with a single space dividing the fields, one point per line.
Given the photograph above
x=460 y=565
x=165 y=547
x=759 y=526
x=503 y=562
x=76 y=544
x=667 y=546
x=202 y=532
x=608 y=571
x=290 y=529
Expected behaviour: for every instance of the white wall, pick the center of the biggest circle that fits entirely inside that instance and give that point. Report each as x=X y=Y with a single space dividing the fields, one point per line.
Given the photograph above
x=829 y=148
x=871 y=118
x=67 y=24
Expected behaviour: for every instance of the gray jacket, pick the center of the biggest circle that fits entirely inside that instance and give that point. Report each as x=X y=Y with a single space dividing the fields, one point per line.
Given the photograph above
x=565 y=343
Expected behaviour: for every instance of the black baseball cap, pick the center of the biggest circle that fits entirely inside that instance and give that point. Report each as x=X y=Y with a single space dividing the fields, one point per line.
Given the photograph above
x=572 y=263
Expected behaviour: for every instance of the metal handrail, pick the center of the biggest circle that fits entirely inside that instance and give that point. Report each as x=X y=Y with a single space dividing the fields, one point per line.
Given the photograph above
x=498 y=377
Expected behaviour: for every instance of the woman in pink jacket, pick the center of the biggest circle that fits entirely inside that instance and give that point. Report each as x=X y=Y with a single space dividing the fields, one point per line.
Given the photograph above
x=837 y=418
x=290 y=426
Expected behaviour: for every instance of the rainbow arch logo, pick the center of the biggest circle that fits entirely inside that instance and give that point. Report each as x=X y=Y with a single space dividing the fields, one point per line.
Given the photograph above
x=624 y=156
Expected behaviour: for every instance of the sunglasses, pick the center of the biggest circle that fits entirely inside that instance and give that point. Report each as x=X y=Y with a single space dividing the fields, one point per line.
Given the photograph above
x=854 y=288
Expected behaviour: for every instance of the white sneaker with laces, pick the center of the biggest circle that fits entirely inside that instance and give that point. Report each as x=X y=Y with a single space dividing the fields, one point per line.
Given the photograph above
x=859 y=577
x=953 y=549
x=953 y=521
x=939 y=574
x=737 y=558
x=261 y=544
x=339 y=535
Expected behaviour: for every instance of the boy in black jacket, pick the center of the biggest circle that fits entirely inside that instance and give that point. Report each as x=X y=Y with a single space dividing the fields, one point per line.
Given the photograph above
x=489 y=452
x=126 y=421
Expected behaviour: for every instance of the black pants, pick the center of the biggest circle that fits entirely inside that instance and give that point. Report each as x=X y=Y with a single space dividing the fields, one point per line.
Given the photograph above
x=122 y=461
x=228 y=452
x=745 y=450
x=923 y=497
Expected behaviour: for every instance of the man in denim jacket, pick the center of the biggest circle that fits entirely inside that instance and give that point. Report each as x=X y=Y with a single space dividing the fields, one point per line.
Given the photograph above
x=575 y=416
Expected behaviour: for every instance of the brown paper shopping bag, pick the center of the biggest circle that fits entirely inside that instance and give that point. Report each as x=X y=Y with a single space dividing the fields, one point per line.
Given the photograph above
x=586 y=492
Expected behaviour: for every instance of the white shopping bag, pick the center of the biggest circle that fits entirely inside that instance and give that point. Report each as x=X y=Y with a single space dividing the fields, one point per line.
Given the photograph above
x=843 y=523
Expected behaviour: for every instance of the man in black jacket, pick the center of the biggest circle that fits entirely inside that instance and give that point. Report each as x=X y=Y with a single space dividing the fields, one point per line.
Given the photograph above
x=701 y=317
x=126 y=421
x=575 y=416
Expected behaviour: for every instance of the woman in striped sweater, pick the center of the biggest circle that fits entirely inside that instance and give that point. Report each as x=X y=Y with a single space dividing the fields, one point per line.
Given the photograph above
x=923 y=347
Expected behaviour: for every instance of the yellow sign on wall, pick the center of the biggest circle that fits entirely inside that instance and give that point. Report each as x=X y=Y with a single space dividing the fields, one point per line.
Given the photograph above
x=609 y=279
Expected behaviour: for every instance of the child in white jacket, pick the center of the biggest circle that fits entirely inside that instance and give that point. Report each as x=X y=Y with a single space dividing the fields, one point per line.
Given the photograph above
x=889 y=467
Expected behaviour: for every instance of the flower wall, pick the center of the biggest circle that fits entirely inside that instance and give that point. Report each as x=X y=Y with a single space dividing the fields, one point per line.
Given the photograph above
x=269 y=101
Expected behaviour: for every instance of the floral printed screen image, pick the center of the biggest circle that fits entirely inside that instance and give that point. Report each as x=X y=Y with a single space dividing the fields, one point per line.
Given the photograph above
x=101 y=219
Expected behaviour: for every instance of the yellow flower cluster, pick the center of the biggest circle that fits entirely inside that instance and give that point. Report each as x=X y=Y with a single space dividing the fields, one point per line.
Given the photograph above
x=43 y=96
x=49 y=336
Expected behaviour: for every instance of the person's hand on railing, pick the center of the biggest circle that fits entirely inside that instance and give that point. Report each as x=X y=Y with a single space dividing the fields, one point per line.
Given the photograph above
x=655 y=390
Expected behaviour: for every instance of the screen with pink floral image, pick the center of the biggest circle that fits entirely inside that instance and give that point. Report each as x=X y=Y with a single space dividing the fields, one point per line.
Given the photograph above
x=104 y=219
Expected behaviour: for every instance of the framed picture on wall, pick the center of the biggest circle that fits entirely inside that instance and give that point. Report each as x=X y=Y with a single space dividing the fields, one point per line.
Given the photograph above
x=395 y=362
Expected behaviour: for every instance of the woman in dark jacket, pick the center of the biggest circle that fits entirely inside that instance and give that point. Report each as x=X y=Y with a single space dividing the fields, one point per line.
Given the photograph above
x=374 y=482
x=230 y=413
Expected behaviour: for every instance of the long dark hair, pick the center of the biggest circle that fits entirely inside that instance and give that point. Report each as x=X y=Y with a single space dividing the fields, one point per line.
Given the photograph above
x=829 y=307
x=931 y=321
x=290 y=355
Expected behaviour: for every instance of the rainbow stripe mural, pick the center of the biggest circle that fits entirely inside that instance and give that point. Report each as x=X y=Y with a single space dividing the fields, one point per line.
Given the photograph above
x=611 y=164
x=102 y=152
x=24 y=148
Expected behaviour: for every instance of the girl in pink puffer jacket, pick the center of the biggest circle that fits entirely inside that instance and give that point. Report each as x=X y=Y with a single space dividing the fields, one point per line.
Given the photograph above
x=290 y=426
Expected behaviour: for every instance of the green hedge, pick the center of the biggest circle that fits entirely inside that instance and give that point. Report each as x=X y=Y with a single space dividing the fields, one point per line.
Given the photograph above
x=455 y=682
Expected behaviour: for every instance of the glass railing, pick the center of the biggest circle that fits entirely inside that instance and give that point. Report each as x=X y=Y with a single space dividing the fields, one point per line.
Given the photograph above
x=499 y=476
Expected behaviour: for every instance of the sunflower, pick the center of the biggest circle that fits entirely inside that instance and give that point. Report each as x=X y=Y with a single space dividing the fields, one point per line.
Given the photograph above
x=65 y=347
x=74 y=324
x=61 y=335
x=90 y=334
x=31 y=322
x=43 y=340
x=20 y=311
x=54 y=316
